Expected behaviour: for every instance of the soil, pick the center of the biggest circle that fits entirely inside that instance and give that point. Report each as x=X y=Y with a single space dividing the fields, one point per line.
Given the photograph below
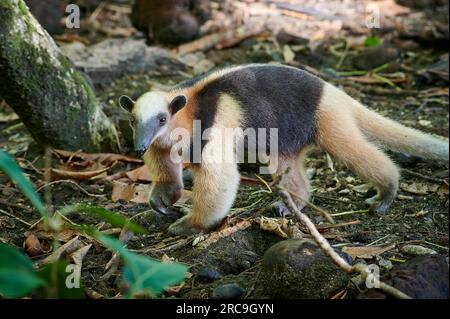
x=413 y=218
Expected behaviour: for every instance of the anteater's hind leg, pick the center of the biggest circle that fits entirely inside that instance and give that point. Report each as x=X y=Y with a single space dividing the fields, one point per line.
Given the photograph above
x=292 y=176
x=339 y=135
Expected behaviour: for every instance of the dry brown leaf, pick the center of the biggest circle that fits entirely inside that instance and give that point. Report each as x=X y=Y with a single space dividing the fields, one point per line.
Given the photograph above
x=58 y=174
x=419 y=188
x=362 y=189
x=274 y=225
x=102 y=158
x=216 y=236
x=65 y=249
x=443 y=190
x=78 y=255
x=140 y=174
x=32 y=245
x=366 y=252
x=136 y=193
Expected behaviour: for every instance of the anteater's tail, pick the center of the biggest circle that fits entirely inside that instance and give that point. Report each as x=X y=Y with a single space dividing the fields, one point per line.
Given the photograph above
x=398 y=137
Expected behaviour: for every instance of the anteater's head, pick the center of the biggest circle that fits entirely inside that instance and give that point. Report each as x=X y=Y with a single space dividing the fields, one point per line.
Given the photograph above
x=150 y=116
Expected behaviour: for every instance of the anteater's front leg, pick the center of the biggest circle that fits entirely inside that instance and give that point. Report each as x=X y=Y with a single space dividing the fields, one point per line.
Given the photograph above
x=214 y=191
x=167 y=182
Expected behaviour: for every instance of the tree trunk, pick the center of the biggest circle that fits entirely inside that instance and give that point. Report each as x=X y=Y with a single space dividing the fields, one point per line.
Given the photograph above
x=52 y=98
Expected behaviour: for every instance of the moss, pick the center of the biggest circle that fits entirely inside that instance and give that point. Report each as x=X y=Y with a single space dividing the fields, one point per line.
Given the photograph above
x=23 y=7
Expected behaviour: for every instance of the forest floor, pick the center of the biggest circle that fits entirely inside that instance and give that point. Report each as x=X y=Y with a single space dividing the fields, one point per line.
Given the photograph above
x=402 y=89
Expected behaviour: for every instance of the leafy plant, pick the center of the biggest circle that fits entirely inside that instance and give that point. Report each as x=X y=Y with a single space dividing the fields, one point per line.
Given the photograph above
x=19 y=278
x=373 y=41
x=17 y=275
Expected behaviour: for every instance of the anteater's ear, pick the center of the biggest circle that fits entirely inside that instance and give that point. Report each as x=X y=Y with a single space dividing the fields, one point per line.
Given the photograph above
x=126 y=103
x=177 y=104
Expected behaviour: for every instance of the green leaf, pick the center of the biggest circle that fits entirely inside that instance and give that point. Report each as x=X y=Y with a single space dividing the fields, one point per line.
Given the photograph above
x=113 y=218
x=17 y=275
x=9 y=166
x=373 y=41
x=143 y=274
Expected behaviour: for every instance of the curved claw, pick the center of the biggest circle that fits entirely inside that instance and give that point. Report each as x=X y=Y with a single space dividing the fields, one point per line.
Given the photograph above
x=163 y=196
x=158 y=205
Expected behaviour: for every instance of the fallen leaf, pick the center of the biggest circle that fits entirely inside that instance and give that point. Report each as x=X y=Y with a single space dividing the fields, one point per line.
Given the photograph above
x=215 y=236
x=66 y=249
x=273 y=225
x=140 y=174
x=57 y=174
x=418 y=188
x=443 y=190
x=78 y=255
x=288 y=54
x=136 y=193
x=102 y=158
x=366 y=252
x=362 y=189
x=32 y=245
x=417 y=250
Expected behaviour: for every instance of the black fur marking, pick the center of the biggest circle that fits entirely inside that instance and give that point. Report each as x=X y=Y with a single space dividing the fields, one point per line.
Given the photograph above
x=126 y=103
x=177 y=104
x=272 y=97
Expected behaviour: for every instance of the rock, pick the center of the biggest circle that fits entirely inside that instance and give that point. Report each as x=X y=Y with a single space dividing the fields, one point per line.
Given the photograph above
x=207 y=274
x=434 y=73
x=423 y=277
x=377 y=56
x=417 y=250
x=170 y=21
x=299 y=269
x=49 y=13
x=228 y=291
x=113 y=58
x=385 y=264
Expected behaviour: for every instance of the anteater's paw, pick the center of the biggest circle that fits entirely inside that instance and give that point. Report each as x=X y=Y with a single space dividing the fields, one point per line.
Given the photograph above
x=182 y=227
x=280 y=210
x=380 y=208
x=373 y=201
x=162 y=197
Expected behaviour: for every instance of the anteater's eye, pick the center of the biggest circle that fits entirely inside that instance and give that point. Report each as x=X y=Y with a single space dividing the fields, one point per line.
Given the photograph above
x=162 y=120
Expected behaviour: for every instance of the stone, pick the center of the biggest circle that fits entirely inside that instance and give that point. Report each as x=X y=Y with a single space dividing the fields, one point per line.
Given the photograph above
x=299 y=269
x=228 y=291
x=114 y=58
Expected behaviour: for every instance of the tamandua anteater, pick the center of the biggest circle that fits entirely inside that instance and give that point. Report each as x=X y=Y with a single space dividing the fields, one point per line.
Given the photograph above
x=305 y=110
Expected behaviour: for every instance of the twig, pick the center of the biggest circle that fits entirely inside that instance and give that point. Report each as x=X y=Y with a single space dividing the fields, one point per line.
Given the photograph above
x=427 y=178
x=362 y=211
x=73 y=183
x=329 y=251
x=15 y=217
x=334 y=199
x=353 y=222
x=316 y=208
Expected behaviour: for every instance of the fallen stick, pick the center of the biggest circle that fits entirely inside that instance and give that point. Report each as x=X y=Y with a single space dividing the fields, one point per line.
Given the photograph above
x=360 y=268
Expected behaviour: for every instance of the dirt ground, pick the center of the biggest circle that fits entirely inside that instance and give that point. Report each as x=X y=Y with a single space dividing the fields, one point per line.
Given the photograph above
x=419 y=214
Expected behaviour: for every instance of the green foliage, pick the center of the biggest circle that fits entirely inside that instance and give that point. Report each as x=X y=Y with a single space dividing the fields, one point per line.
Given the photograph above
x=9 y=166
x=144 y=275
x=17 y=275
x=113 y=218
x=373 y=41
